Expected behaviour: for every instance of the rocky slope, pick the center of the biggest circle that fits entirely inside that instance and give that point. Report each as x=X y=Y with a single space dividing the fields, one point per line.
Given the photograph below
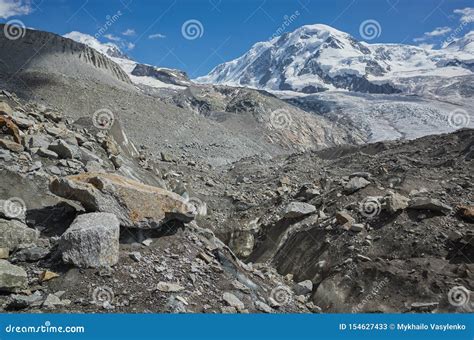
x=195 y=120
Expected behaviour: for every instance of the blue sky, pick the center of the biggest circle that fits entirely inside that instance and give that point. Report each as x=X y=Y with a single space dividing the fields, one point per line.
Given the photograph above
x=150 y=31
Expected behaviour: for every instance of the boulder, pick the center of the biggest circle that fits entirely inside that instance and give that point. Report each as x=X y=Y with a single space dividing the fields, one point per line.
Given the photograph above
x=396 y=202
x=64 y=150
x=466 y=212
x=12 y=278
x=13 y=233
x=8 y=127
x=137 y=205
x=303 y=287
x=233 y=301
x=10 y=145
x=46 y=153
x=424 y=203
x=92 y=240
x=344 y=219
x=298 y=209
x=355 y=184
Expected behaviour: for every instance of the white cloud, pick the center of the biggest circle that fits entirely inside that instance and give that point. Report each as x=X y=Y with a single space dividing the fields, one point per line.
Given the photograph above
x=112 y=37
x=467 y=14
x=130 y=46
x=156 y=36
x=437 y=32
x=10 y=8
x=129 y=32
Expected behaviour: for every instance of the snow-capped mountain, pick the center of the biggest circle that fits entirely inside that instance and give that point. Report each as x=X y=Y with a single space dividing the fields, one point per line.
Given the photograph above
x=143 y=74
x=315 y=58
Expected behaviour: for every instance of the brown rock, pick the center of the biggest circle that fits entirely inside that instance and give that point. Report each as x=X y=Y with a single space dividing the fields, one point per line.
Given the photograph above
x=47 y=275
x=12 y=146
x=344 y=219
x=9 y=128
x=5 y=109
x=137 y=205
x=466 y=212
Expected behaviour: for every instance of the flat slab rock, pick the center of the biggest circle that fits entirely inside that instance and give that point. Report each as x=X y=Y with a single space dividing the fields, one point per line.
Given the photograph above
x=136 y=205
x=12 y=278
x=299 y=209
x=92 y=240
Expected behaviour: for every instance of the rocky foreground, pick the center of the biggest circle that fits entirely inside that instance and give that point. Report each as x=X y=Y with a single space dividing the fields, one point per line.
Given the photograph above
x=90 y=223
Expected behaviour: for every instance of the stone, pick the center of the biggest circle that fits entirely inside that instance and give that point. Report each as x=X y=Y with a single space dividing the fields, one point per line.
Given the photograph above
x=4 y=253
x=12 y=146
x=298 y=209
x=110 y=146
x=136 y=256
x=23 y=123
x=12 y=278
x=228 y=310
x=38 y=141
x=395 y=202
x=5 y=109
x=303 y=287
x=466 y=212
x=363 y=258
x=25 y=301
x=52 y=301
x=46 y=153
x=363 y=174
x=233 y=301
x=424 y=203
x=30 y=254
x=137 y=205
x=64 y=150
x=345 y=219
x=13 y=233
x=355 y=184
x=8 y=127
x=53 y=115
x=169 y=287
x=263 y=307
x=357 y=227
x=47 y=275
x=92 y=240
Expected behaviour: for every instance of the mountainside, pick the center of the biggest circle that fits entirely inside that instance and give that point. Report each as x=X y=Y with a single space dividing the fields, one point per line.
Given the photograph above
x=317 y=58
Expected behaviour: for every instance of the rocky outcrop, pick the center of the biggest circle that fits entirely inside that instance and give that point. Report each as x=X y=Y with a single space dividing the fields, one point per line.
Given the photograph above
x=135 y=204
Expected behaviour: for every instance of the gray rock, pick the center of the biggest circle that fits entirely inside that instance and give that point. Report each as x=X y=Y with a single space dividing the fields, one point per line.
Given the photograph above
x=12 y=278
x=233 y=301
x=298 y=209
x=363 y=174
x=357 y=227
x=169 y=287
x=423 y=203
x=30 y=254
x=303 y=287
x=355 y=184
x=46 y=153
x=38 y=141
x=136 y=256
x=52 y=301
x=263 y=307
x=25 y=301
x=64 y=150
x=396 y=202
x=13 y=233
x=4 y=253
x=92 y=240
